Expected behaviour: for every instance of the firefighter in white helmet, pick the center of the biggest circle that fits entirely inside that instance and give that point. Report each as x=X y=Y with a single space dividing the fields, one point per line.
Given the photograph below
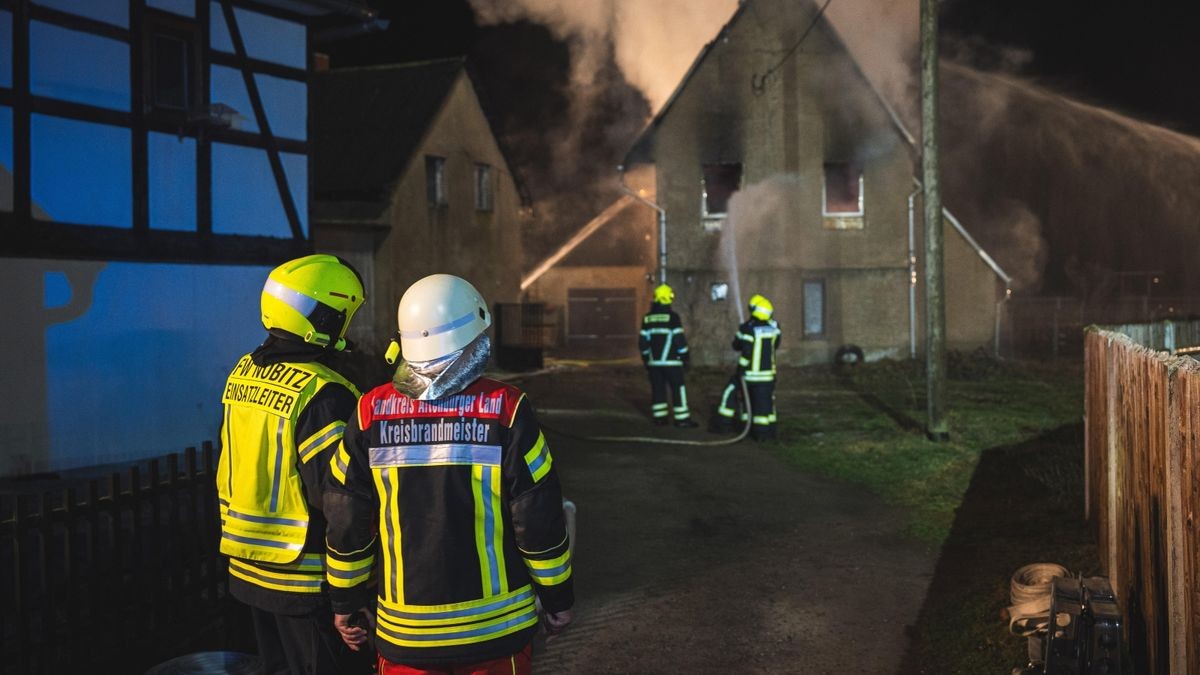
x=665 y=354
x=756 y=343
x=447 y=478
x=285 y=408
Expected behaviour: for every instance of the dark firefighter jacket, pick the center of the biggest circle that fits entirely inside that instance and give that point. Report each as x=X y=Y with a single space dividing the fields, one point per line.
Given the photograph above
x=460 y=498
x=756 y=342
x=662 y=342
x=285 y=409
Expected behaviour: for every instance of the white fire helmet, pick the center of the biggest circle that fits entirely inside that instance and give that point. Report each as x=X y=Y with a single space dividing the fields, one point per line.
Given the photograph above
x=440 y=315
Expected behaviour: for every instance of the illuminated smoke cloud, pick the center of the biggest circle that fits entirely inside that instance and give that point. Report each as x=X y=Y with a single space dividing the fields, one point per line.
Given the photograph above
x=652 y=41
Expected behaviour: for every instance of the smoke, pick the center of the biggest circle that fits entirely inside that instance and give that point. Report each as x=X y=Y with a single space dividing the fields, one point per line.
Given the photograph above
x=652 y=42
x=883 y=36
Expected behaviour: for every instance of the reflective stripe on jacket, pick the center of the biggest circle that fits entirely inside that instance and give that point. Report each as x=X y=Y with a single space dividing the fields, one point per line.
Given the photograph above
x=661 y=339
x=460 y=497
x=757 y=341
x=264 y=510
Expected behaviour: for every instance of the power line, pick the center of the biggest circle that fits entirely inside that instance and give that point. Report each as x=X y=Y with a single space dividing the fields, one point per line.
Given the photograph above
x=758 y=83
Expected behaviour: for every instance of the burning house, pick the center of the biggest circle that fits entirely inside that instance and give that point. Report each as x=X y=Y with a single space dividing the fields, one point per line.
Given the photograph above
x=784 y=172
x=408 y=180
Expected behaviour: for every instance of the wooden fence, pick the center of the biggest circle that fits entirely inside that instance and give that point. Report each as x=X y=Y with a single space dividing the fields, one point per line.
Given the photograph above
x=112 y=574
x=1143 y=493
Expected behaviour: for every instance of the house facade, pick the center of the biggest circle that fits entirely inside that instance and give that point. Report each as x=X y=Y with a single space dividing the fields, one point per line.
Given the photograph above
x=410 y=181
x=153 y=169
x=783 y=172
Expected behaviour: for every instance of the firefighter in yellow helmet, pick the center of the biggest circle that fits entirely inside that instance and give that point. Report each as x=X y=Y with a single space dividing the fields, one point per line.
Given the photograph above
x=756 y=341
x=285 y=409
x=445 y=491
x=665 y=354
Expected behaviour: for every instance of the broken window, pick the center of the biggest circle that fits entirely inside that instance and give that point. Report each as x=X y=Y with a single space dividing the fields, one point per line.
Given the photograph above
x=843 y=189
x=814 y=308
x=435 y=180
x=483 y=187
x=720 y=182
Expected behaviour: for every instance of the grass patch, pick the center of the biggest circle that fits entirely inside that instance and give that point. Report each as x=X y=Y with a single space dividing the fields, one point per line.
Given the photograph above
x=867 y=427
x=1005 y=491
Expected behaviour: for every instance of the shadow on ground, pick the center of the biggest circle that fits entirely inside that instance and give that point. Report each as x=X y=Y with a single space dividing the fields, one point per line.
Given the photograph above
x=1024 y=505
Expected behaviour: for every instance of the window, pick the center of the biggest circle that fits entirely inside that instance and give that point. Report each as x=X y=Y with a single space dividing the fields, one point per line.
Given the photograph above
x=720 y=182
x=171 y=73
x=814 y=308
x=483 y=187
x=435 y=180
x=843 y=194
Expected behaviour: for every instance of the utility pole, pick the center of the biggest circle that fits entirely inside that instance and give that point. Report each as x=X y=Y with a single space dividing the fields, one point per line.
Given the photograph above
x=935 y=299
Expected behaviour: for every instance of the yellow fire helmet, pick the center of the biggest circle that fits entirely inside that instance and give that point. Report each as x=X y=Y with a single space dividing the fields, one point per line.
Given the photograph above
x=663 y=295
x=312 y=298
x=761 y=308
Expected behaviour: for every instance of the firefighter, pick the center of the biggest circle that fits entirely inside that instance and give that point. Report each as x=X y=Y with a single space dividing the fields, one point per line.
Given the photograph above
x=285 y=409
x=665 y=354
x=444 y=489
x=756 y=342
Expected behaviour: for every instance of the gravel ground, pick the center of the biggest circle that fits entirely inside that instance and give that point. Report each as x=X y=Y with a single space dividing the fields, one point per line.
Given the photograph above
x=717 y=559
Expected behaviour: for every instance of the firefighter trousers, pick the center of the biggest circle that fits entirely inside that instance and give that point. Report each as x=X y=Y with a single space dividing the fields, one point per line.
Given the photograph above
x=762 y=408
x=663 y=378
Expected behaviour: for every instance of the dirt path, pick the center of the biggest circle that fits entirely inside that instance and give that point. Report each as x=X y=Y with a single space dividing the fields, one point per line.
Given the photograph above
x=718 y=560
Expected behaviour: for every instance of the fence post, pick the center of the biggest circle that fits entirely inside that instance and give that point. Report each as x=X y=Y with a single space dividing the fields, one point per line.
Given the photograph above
x=1111 y=459
x=1177 y=597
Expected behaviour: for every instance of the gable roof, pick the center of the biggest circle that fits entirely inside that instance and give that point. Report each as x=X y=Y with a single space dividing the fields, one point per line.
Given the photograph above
x=370 y=121
x=642 y=149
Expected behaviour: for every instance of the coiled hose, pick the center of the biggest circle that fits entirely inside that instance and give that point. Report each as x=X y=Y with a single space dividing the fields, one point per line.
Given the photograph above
x=1029 y=592
x=665 y=441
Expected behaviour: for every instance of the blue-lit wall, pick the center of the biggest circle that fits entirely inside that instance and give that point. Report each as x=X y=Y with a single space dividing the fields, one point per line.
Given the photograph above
x=107 y=361
x=115 y=361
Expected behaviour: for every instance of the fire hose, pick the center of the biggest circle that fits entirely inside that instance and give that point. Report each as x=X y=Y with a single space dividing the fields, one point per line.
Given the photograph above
x=666 y=441
x=1029 y=592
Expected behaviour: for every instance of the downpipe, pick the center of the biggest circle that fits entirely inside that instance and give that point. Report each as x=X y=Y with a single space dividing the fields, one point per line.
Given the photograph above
x=662 y=223
x=912 y=271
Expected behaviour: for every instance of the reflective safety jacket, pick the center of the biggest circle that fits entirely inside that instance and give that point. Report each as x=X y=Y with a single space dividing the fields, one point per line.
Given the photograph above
x=461 y=499
x=282 y=423
x=662 y=342
x=757 y=341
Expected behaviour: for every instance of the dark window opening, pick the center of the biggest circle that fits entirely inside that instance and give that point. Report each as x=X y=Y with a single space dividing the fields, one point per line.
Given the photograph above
x=483 y=188
x=814 y=308
x=172 y=70
x=170 y=63
x=720 y=182
x=435 y=180
x=843 y=189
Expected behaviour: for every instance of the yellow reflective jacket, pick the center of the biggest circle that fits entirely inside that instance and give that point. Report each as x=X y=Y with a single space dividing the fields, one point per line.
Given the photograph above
x=265 y=518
